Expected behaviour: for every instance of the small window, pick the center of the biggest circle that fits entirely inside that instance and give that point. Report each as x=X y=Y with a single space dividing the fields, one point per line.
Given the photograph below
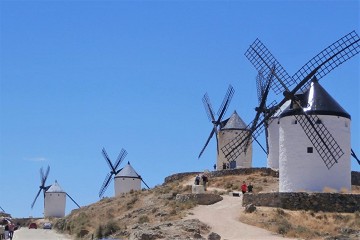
x=309 y=150
x=346 y=124
x=318 y=121
x=294 y=122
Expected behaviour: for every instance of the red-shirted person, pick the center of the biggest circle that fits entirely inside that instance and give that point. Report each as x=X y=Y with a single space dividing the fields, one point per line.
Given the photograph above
x=243 y=188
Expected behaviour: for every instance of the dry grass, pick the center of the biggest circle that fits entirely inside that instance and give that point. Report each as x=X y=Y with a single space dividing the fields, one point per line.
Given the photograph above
x=302 y=224
x=233 y=183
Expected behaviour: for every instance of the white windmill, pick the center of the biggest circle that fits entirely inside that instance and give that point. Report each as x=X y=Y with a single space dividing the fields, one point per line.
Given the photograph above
x=307 y=127
x=126 y=179
x=54 y=197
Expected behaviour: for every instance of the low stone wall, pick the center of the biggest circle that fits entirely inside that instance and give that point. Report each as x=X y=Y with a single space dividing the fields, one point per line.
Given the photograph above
x=201 y=199
x=327 y=202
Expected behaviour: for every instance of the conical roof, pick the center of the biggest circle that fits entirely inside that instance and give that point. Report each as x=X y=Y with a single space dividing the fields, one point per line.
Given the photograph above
x=128 y=171
x=316 y=100
x=55 y=188
x=235 y=122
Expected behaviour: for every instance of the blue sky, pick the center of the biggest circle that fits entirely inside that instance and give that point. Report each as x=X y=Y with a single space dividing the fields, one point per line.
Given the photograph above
x=77 y=76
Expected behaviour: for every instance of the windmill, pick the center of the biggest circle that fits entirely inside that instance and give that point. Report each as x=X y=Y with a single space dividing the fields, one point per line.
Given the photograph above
x=54 y=197
x=126 y=179
x=2 y=209
x=225 y=130
x=217 y=123
x=305 y=107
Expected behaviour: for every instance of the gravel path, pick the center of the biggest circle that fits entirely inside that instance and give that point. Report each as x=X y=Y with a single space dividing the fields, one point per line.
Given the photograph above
x=223 y=216
x=38 y=234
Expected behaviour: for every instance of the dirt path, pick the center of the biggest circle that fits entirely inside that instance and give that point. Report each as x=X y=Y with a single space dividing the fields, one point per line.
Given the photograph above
x=38 y=234
x=222 y=217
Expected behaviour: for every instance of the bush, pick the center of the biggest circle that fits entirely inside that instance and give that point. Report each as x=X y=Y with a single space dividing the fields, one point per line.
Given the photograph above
x=110 y=228
x=284 y=227
x=143 y=219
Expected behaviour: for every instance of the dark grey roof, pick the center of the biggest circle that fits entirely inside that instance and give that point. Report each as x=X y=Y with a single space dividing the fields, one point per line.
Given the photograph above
x=316 y=100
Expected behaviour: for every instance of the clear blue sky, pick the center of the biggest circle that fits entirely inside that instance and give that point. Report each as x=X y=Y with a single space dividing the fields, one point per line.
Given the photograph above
x=77 y=76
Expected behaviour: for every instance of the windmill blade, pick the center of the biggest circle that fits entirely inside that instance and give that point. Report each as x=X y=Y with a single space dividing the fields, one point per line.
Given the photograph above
x=46 y=174
x=225 y=104
x=320 y=137
x=105 y=184
x=263 y=60
x=120 y=158
x=73 y=200
x=42 y=177
x=261 y=108
x=144 y=183
x=354 y=156
x=260 y=86
x=260 y=145
x=208 y=108
x=330 y=58
x=2 y=209
x=207 y=141
x=107 y=159
x=37 y=195
x=237 y=145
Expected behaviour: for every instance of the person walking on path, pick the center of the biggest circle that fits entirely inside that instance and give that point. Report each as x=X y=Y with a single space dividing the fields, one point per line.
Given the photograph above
x=11 y=230
x=250 y=188
x=204 y=180
x=197 y=180
x=243 y=187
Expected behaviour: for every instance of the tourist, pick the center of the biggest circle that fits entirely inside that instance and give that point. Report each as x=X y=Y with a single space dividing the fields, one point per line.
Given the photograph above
x=243 y=187
x=204 y=180
x=11 y=230
x=250 y=188
x=197 y=180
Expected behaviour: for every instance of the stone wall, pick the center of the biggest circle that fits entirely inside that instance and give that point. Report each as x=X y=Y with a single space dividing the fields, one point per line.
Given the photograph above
x=201 y=198
x=327 y=202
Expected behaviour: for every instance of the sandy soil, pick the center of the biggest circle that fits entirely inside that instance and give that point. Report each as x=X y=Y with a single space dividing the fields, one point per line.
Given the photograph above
x=223 y=216
x=38 y=234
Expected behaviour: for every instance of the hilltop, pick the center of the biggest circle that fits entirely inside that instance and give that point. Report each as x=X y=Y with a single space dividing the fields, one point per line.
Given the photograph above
x=156 y=213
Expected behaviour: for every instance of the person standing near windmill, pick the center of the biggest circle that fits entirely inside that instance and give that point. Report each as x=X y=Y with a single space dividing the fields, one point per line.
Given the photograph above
x=243 y=187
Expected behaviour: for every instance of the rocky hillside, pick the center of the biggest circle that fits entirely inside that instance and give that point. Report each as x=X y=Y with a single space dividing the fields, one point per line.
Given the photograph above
x=156 y=214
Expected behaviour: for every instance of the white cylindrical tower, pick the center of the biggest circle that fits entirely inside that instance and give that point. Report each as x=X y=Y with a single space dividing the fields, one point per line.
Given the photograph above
x=55 y=201
x=273 y=143
x=126 y=180
x=273 y=138
x=301 y=168
x=234 y=126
